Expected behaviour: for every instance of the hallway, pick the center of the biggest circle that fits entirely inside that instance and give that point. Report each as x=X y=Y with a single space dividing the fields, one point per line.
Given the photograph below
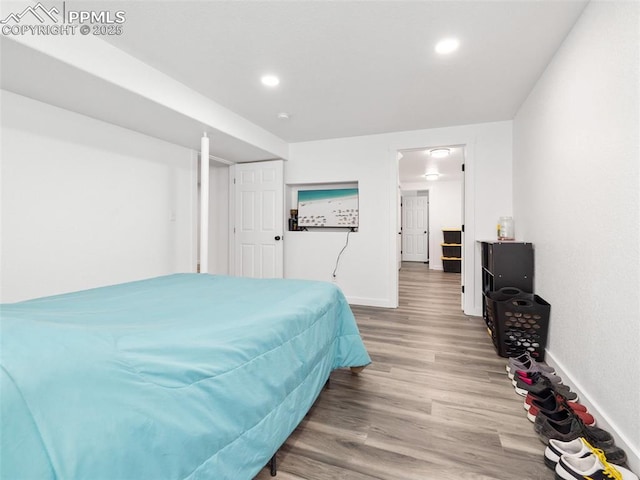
x=435 y=403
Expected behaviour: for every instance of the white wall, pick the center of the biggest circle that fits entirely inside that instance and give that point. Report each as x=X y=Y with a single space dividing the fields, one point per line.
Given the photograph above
x=86 y=203
x=368 y=268
x=363 y=272
x=576 y=197
x=445 y=211
x=219 y=220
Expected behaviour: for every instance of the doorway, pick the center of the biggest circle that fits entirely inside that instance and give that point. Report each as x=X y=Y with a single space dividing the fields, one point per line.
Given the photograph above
x=258 y=206
x=432 y=178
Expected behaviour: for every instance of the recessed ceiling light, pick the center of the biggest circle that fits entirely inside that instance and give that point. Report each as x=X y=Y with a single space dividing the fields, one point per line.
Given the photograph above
x=439 y=152
x=270 y=80
x=446 y=46
x=284 y=116
x=431 y=176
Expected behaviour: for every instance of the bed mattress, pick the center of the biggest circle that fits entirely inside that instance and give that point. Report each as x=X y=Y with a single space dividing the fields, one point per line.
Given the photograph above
x=187 y=376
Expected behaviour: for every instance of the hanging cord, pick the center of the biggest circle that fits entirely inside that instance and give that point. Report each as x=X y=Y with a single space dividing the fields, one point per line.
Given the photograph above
x=340 y=254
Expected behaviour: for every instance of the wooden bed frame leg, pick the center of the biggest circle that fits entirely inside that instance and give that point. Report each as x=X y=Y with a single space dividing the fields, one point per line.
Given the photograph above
x=273 y=466
x=357 y=370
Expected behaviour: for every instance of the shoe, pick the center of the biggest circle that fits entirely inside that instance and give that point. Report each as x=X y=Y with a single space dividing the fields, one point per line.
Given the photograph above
x=580 y=448
x=537 y=385
x=551 y=405
x=528 y=377
x=534 y=367
x=559 y=415
x=525 y=361
x=592 y=467
x=548 y=393
x=571 y=429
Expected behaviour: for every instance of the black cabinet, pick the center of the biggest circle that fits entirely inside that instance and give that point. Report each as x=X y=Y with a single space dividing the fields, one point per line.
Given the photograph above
x=506 y=264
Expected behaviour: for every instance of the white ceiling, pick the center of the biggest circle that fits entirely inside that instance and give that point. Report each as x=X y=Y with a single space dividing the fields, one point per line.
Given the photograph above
x=346 y=67
x=414 y=164
x=351 y=67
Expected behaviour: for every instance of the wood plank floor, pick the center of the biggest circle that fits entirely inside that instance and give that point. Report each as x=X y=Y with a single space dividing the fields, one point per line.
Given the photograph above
x=435 y=403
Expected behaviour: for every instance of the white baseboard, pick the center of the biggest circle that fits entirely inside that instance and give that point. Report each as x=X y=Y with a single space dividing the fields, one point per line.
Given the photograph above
x=370 y=302
x=603 y=420
x=475 y=312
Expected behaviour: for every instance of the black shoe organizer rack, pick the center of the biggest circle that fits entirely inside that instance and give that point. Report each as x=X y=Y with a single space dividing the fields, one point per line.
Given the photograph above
x=517 y=319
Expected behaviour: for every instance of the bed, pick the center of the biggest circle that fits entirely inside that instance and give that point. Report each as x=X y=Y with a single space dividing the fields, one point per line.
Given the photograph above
x=187 y=376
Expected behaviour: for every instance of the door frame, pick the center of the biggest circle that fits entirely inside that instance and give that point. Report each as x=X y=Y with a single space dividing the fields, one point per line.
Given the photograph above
x=470 y=274
x=232 y=220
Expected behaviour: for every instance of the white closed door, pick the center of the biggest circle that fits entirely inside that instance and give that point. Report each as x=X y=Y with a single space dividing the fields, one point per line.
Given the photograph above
x=259 y=219
x=415 y=228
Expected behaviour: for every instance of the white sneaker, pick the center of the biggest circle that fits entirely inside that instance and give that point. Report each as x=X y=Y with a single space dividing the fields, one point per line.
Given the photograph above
x=579 y=447
x=592 y=467
x=558 y=448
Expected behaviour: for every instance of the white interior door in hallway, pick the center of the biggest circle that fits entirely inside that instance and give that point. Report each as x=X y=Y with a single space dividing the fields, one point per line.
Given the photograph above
x=259 y=219
x=415 y=228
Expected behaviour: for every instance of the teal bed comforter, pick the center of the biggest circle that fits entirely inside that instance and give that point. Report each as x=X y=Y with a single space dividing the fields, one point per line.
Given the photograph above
x=186 y=376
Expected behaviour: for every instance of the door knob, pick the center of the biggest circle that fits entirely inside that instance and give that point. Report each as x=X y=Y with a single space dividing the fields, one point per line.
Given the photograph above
x=277 y=237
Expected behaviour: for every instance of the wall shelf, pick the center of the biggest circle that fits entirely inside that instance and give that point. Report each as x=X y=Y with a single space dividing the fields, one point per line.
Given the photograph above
x=294 y=223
